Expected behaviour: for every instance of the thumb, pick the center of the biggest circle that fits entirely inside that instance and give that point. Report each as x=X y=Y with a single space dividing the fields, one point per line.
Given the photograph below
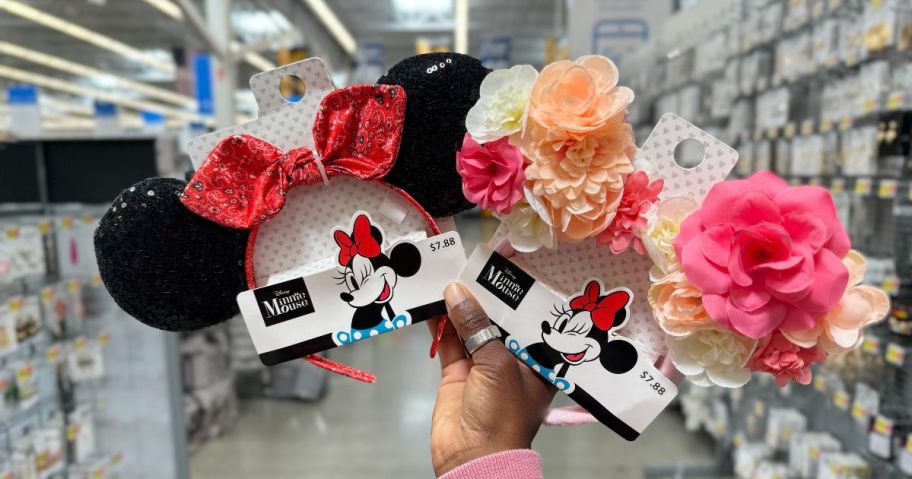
x=468 y=318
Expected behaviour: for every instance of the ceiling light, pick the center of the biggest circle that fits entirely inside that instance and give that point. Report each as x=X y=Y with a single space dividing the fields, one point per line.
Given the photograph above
x=109 y=80
x=68 y=87
x=254 y=58
x=168 y=8
x=332 y=23
x=84 y=34
x=431 y=7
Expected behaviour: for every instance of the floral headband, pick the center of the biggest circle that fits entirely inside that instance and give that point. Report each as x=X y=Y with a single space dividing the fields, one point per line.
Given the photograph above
x=757 y=276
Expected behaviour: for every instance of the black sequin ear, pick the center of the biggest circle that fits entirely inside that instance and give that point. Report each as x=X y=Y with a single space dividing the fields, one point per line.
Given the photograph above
x=164 y=265
x=441 y=88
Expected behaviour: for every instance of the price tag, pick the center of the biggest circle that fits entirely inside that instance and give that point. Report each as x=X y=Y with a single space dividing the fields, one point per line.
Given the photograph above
x=44 y=227
x=869 y=105
x=807 y=127
x=789 y=130
x=67 y=222
x=88 y=219
x=53 y=353
x=890 y=285
x=24 y=372
x=887 y=189
x=73 y=286
x=863 y=186
x=15 y=304
x=859 y=411
x=896 y=100
x=820 y=383
x=104 y=338
x=837 y=186
x=79 y=343
x=896 y=355
x=883 y=425
x=98 y=473
x=772 y=133
x=814 y=453
x=72 y=431
x=738 y=440
x=841 y=400
x=95 y=280
x=876 y=3
x=12 y=232
x=845 y=123
x=47 y=294
x=871 y=345
x=826 y=125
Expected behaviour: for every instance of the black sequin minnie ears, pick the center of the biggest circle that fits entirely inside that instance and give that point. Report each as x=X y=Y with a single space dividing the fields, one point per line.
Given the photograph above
x=441 y=88
x=175 y=270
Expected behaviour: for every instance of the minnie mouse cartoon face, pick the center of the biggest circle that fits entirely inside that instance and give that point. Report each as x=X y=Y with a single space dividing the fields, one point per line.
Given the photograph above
x=581 y=333
x=369 y=276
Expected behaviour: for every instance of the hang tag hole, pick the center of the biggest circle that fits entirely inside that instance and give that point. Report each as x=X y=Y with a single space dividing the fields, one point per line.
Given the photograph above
x=292 y=88
x=689 y=153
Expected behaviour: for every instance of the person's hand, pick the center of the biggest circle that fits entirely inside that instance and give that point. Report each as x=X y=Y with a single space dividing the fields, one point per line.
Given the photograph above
x=487 y=403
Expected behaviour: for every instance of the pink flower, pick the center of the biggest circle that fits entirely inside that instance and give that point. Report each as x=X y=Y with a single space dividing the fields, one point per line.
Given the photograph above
x=492 y=174
x=630 y=221
x=784 y=360
x=765 y=255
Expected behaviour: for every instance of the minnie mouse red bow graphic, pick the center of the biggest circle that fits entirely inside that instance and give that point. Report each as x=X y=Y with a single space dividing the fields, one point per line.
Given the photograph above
x=370 y=276
x=582 y=332
x=244 y=181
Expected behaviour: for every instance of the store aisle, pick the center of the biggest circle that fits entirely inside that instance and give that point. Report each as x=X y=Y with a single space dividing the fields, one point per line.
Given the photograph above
x=382 y=430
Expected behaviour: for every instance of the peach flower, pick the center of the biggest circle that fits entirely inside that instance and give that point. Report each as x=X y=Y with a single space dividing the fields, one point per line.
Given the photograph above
x=840 y=330
x=678 y=307
x=579 y=144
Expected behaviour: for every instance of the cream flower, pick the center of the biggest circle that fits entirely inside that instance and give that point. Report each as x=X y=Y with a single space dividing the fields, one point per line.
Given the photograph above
x=529 y=230
x=678 y=307
x=578 y=144
x=840 y=330
x=712 y=357
x=662 y=228
x=501 y=106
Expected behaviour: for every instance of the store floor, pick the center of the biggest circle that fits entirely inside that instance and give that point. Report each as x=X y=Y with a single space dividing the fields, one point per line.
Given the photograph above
x=382 y=430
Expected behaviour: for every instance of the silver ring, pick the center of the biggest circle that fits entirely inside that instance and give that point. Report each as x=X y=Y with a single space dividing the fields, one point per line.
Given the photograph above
x=479 y=339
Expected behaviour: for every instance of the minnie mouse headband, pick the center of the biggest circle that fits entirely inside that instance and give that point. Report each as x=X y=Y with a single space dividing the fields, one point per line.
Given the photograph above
x=244 y=181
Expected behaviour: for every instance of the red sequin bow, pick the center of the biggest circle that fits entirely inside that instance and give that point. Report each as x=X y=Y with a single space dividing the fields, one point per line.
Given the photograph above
x=361 y=242
x=244 y=180
x=603 y=310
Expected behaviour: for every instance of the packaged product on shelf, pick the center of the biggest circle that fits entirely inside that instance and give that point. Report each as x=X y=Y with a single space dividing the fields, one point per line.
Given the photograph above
x=875 y=76
x=861 y=151
x=807 y=155
x=26 y=384
x=782 y=424
x=8 y=336
x=797 y=15
x=826 y=43
x=75 y=251
x=27 y=311
x=689 y=102
x=831 y=155
x=763 y=155
x=773 y=109
x=793 y=58
x=851 y=40
x=880 y=21
x=7 y=393
x=771 y=470
x=783 y=163
x=85 y=361
x=770 y=22
x=805 y=450
x=75 y=310
x=81 y=433
x=54 y=309
x=748 y=456
x=838 y=465
x=724 y=92
x=865 y=406
x=745 y=164
x=23 y=461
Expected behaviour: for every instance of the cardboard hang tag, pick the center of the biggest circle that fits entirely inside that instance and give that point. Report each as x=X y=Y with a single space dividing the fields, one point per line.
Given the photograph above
x=566 y=267
x=282 y=123
x=363 y=293
x=573 y=343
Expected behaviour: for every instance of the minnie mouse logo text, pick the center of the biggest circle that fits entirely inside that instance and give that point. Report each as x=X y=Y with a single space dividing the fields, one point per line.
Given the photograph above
x=283 y=301
x=504 y=280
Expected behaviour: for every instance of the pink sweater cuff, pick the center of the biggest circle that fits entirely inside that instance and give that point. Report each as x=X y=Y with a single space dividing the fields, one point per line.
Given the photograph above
x=515 y=464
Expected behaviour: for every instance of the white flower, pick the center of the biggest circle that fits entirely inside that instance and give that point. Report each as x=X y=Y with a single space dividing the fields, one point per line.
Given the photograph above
x=712 y=357
x=662 y=227
x=529 y=231
x=501 y=107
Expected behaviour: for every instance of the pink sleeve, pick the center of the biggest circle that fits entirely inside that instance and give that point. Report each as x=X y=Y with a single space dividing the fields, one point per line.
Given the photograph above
x=515 y=464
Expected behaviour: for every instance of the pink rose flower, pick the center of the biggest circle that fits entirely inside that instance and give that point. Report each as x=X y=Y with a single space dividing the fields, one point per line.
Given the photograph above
x=784 y=360
x=492 y=174
x=630 y=221
x=765 y=255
